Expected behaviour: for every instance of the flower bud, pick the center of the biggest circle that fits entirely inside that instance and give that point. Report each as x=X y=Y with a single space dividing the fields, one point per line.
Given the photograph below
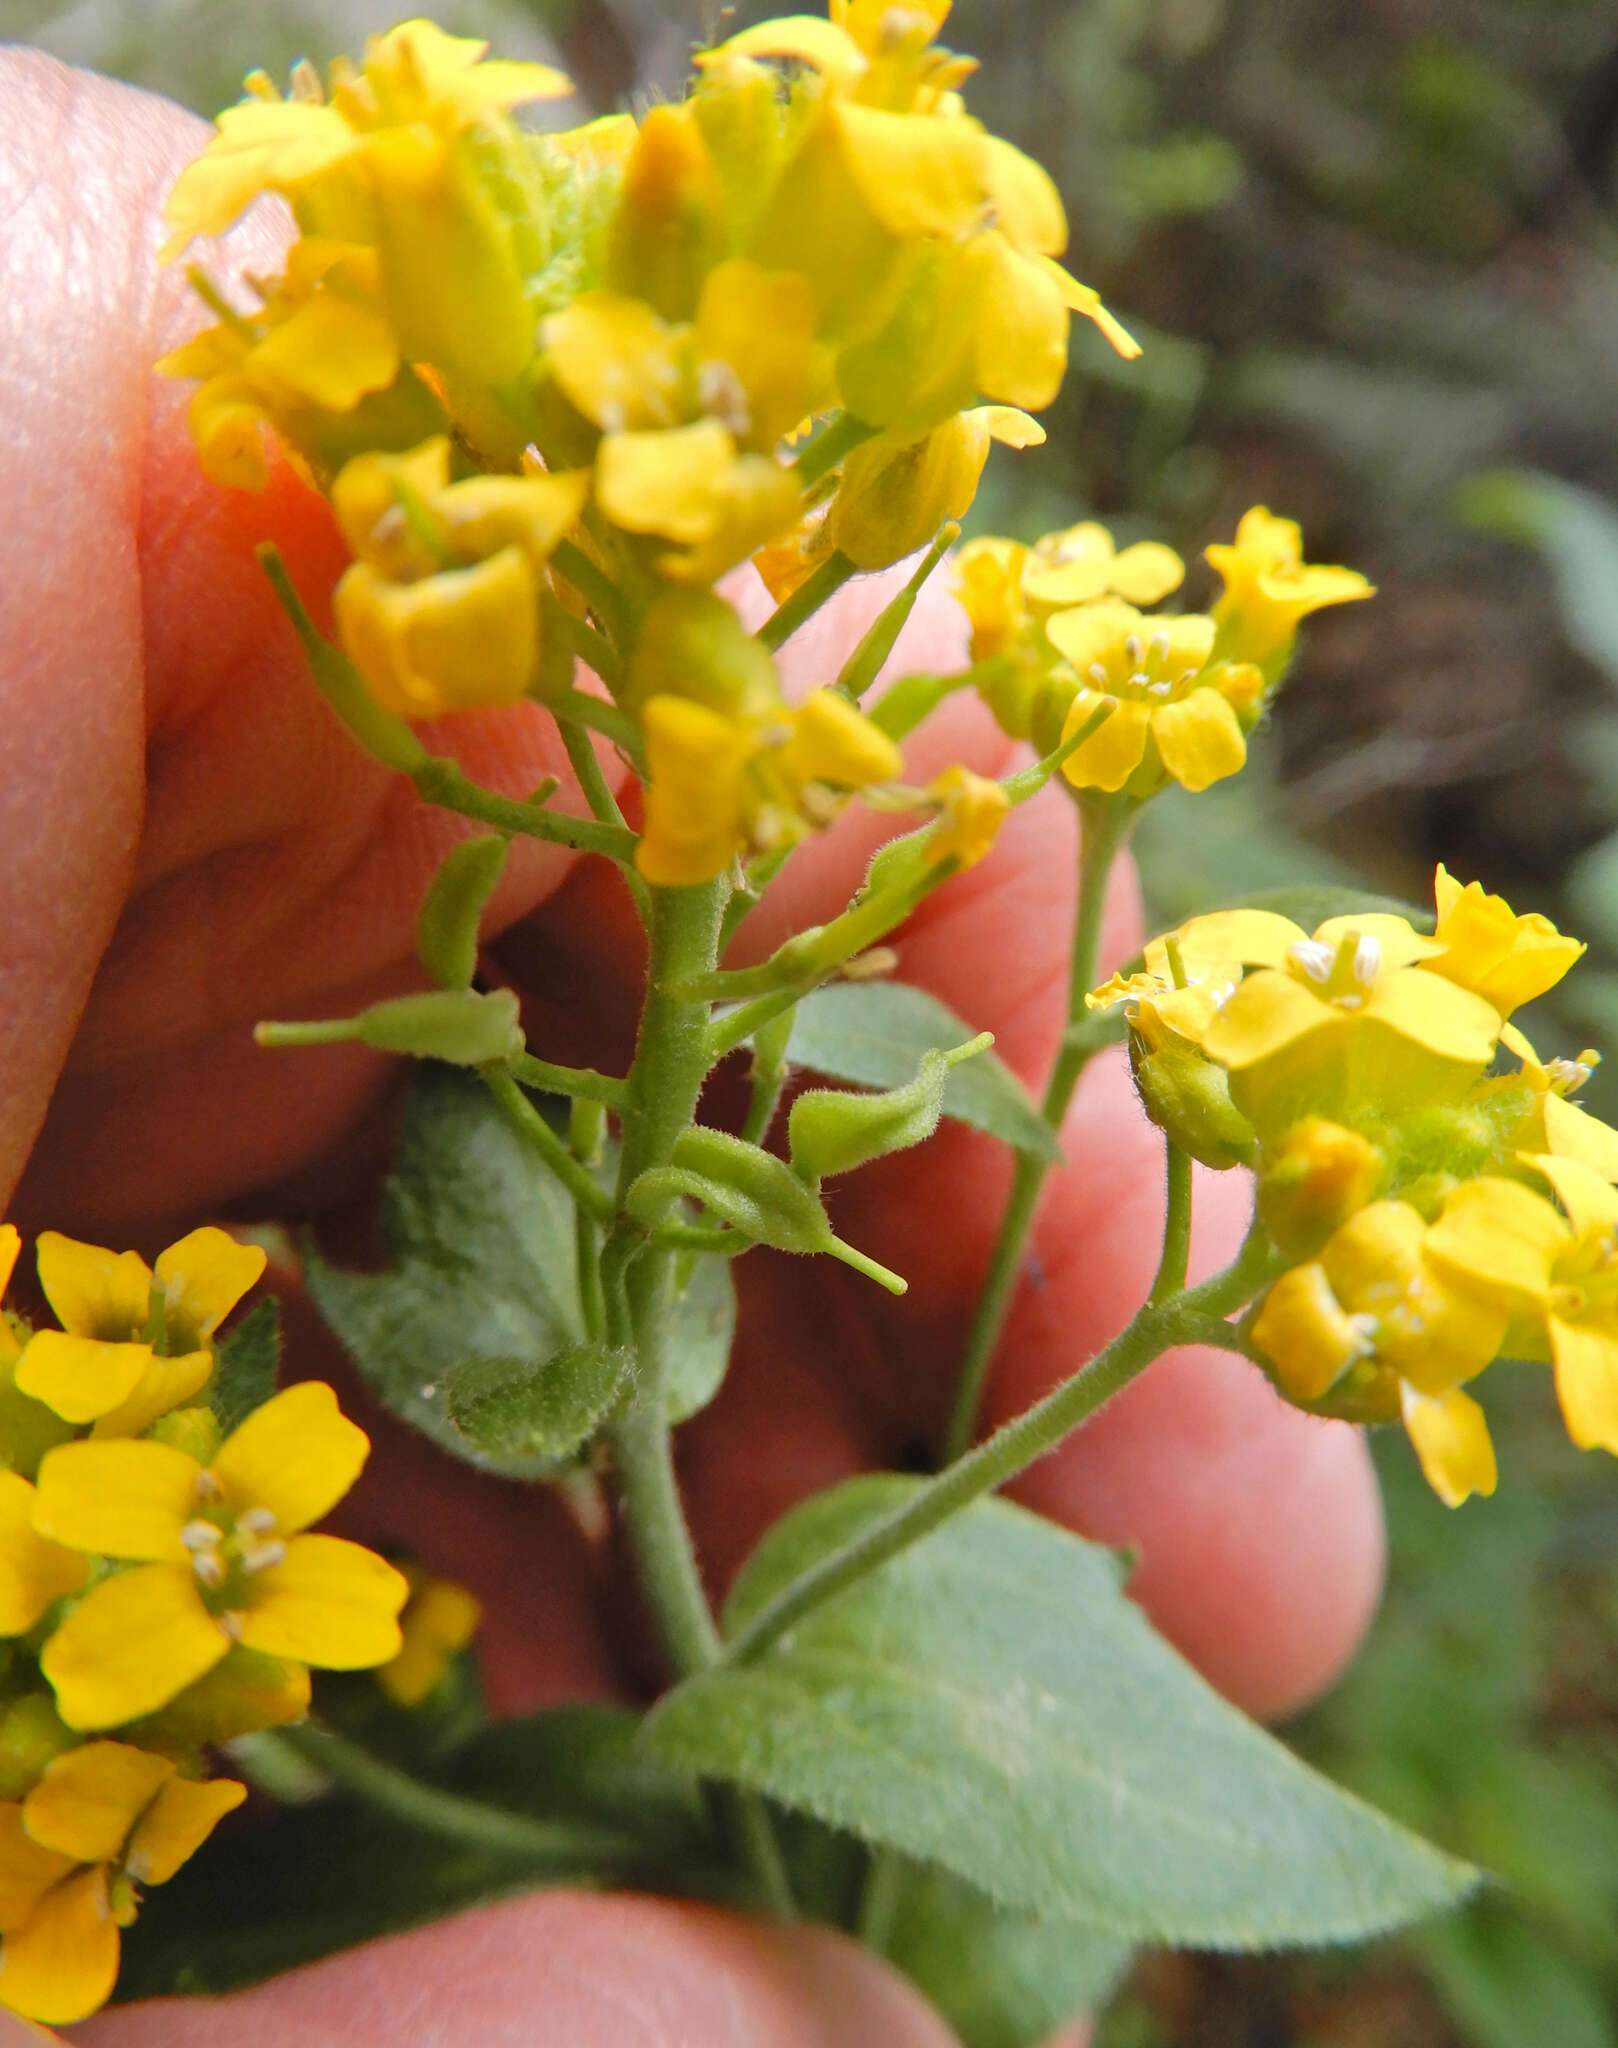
x=1188 y=1098
x=1313 y=1179
x=692 y=645
x=32 y=1734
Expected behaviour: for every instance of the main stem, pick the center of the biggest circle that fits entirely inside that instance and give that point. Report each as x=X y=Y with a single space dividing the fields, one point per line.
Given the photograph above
x=671 y=1064
x=1104 y=823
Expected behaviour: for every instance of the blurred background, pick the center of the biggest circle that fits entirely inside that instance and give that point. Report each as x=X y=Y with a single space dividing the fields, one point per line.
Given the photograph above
x=1370 y=248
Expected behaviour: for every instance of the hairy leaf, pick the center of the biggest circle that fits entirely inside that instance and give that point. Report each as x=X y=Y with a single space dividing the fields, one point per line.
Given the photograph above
x=245 y=1365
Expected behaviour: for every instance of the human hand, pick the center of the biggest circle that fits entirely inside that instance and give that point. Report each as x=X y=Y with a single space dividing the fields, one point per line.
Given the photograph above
x=192 y=844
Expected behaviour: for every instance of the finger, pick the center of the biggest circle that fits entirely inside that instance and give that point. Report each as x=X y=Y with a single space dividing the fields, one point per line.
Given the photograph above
x=160 y=741
x=559 y=1970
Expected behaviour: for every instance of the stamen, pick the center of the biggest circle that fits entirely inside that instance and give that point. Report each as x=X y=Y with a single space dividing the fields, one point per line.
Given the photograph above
x=257 y=1521
x=1366 y=1330
x=1140 y=680
x=1367 y=959
x=232 y=1621
x=1161 y=687
x=1189 y=675
x=260 y=1556
x=209 y=1568
x=1097 y=672
x=1314 y=958
x=1132 y=648
x=207 y=1488
x=1159 y=644
x=200 y=1535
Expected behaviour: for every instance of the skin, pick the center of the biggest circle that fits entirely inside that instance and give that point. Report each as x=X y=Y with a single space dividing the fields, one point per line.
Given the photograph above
x=191 y=844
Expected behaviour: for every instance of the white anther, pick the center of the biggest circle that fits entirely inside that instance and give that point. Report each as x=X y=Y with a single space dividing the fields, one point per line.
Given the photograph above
x=1132 y=1010
x=1161 y=687
x=1189 y=675
x=611 y=416
x=1140 y=680
x=1159 y=644
x=209 y=1568
x=1314 y=958
x=722 y=393
x=1098 y=675
x=1350 y=1002
x=1132 y=648
x=256 y=1521
x=206 y=1487
x=258 y=1557
x=232 y=1623
x=200 y=1535
x=1366 y=1331
x=1566 y=1076
x=1367 y=959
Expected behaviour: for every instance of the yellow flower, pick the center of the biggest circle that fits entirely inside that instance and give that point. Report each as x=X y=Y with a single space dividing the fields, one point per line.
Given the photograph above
x=1346 y=1021
x=34 y=1572
x=217 y=1557
x=695 y=486
x=135 y=1342
x=719 y=783
x=1081 y=563
x=1559 y=1275
x=895 y=494
x=1174 y=714
x=1377 y=1326
x=1550 y=1122
x=441 y=611
x=439 y=1618
x=1488 y=948
x=102 y=1820
x=972 y=808
x=1269 y=589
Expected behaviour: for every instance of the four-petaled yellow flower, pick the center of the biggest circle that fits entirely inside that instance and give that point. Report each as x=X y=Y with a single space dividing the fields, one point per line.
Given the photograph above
x=102 y=1820
x=135 y=1341
x=1270 y=589
x=1175 y=715
x=216 y=1557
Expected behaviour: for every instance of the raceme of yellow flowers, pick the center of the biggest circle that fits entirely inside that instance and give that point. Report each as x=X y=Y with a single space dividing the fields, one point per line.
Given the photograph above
x=1442 y=1207
x=159 y=1592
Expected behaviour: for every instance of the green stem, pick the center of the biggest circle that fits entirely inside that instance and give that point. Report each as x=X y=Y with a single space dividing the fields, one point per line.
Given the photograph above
x=1015 y=1446
x=879 y=1899
x=603 y=804
x=1176 y=1227
x=451 y=1815
x=671 y=1064
x=835 y=441
x=1104 y=824
x=442 y=782
x=594 y=585
x=805 y=601
x=581 y=1083
x=530 y=1126
x=579 y=707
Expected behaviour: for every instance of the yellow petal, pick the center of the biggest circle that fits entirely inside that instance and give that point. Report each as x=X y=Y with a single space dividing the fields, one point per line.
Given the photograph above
x=130 y=1645
x=696 y=760
x=1573 y=1133
x=664 y=482
x=1097 y=632
x=1113 y=751
x=1027 y=205
x=1199 y=739
x=1507 y=959
x=919 y=174
x=486 y=513
x=203 y=1276
x=297 y=1456
x=1589 y=1199
x=1304 y=1332
x=1440 y=1015
x=330 y=353
x=615 y=360
x=1085 y=300
x=176 y=1824
x=452 y=642
x=1451 y=1439
x=81 y=1377
x=1268 y=1013
x=167 y=1383
x=803 y=38
x=10 y=1246
x=121 y=1497
x=27 y=1871
x=260 y=144
x=1586 y=1361
x=88 y=1800
x=1146 y=573
x=1019 y=330
x=833 y=741
x=1502 y=1237
x=1397 y=938
x=1249 y=938
x=33 y=1570
x=62 y=1963
x=330 y=1603
x=1008 y=426
x=441 y=1618
x=95 y=1293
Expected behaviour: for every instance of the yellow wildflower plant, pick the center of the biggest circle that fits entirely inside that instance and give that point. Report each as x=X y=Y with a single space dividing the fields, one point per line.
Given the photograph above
x=1377 y=1327
x=216 y=1556
x=135 y=1340
x=411 y=155
x=719 y=783
x=1176 y=717
x=441 y=610
x=103 y=1820
x=1270 y=589
x=440 y=1618
x=1505 y=958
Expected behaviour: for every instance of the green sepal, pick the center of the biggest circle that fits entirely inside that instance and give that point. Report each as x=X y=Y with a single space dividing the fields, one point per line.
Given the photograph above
x=830 y=1131
x=870 y=657
x=447 y=929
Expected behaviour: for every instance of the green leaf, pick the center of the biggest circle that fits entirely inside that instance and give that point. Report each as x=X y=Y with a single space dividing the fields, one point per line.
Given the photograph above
x=699 y=1347
x=1002 y=1980
x=830 y=1131
x=876 y=1032
x=1577 y=533
x=324 y=1876
x=990 y=1702
x=245 y=1365
x=480 y=1239
x=505 y=1408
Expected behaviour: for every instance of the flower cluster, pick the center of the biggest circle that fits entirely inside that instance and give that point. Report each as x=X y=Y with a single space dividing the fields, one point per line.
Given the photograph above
x=529 y=368
x=1438 y=1206
x=1057 y=635
x=158 y=1593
